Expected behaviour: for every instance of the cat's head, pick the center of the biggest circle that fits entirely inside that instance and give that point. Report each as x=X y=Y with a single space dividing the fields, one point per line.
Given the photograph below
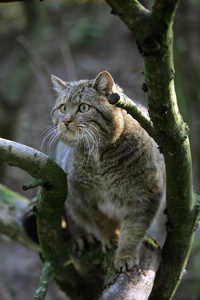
x=82 y=113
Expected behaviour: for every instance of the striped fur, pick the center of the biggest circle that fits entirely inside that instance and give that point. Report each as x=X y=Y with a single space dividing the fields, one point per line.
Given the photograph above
x=116 y=175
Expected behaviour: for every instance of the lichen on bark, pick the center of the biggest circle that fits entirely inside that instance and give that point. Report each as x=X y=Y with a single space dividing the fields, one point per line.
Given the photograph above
x=154 y=36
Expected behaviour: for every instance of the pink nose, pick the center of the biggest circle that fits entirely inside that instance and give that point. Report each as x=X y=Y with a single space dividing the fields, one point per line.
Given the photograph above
x=66 y=121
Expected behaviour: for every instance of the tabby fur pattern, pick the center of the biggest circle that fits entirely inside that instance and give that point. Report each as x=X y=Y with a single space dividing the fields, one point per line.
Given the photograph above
x=116 y=174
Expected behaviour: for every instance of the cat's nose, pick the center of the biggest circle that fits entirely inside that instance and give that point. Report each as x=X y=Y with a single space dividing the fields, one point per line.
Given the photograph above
x=66 y=121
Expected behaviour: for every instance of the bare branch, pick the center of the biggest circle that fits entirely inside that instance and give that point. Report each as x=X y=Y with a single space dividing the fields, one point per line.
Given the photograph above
x=154 y=36
x=137 y=113
x=43 y=283
x=137 y=284
x=35 y=59
x=133 y=13
x=163 y=13
x=7 y=1
x=49 y=211
x=10 y=225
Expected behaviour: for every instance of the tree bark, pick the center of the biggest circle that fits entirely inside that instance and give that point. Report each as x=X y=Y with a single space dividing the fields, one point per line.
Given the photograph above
x=136 y=284
x=11 y=206
x=49 y=208
x=154 y=35
x=7 y=1
x=92 y=266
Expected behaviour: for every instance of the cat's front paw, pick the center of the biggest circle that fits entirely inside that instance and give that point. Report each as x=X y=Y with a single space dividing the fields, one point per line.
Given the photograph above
x=125 y=260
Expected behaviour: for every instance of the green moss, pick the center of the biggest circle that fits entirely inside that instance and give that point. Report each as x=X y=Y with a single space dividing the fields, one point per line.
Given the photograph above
x=151 y=243
x=109 y=269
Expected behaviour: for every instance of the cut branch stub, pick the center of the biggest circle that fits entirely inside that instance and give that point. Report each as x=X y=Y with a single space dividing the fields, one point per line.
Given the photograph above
x=113 y=98
x=122 y=101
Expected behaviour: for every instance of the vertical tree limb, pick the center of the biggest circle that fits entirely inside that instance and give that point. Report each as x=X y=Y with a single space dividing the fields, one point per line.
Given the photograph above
x=154 y=37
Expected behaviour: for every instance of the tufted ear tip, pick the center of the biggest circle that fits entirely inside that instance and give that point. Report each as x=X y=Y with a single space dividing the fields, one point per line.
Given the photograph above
x=58 y=84
x=104 y=83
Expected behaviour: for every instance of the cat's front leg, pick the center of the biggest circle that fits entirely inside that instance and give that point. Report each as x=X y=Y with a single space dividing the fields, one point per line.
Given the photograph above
x=126 y=259
x=131 y=235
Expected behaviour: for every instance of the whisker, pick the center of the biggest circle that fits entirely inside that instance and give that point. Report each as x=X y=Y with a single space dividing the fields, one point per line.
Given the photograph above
x=49 y=129
x=47 y=132
x=94 y=140
x=96 y=130
x=53 y=139
x=81 y=138
x=93 y=137
x=51 y=132
x=89 y=152
x=77 y=138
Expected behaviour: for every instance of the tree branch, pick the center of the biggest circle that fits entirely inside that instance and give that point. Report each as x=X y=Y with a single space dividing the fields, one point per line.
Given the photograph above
x=7 y=1
x=154 y=38
x=12 y=205
x=138 y=114
x=86 y=284
x=43 y=283
x=35 y=59
x=136 y=284
x=132 y=13
x=49 y=209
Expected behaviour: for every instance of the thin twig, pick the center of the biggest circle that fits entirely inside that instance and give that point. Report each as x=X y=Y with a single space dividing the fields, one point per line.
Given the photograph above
x=43 y=283
x=35 y=58
x=69 y=62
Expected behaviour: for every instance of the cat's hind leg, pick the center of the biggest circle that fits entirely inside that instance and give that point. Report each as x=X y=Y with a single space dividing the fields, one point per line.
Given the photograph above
x=108 y=230
x=81 y=238
x=132 y=233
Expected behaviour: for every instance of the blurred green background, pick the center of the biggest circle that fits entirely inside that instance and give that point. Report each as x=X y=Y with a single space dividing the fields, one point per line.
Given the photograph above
x=77 y=40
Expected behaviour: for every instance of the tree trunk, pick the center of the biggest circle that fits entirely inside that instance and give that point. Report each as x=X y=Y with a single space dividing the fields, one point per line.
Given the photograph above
x=154 y=35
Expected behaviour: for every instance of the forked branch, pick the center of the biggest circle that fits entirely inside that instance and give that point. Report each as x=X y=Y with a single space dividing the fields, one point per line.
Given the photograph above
x=82 y=285
x=154 y=35
x=49 y=211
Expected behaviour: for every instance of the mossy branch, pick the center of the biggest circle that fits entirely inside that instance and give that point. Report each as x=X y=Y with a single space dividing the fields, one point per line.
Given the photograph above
x=121 y=100
x=49 y=210
x=43 y=283
x=12 y=207
x=88 y=282
x=136 y=284
x=133 y=13
x=154 y=35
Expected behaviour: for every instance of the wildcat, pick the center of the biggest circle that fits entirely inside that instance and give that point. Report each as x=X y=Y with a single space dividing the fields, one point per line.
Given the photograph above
x=116 y=174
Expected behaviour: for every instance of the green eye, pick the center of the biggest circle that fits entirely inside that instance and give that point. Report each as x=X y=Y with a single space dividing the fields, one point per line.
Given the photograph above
x=63 y=108
x=84 y=107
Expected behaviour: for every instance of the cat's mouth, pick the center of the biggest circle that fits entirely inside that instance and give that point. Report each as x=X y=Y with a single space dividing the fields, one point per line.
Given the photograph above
x=78 y=135
x=67 y=131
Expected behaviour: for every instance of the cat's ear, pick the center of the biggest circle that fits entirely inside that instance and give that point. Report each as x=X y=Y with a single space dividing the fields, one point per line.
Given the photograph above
x=58 y=84
x=104 y=83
